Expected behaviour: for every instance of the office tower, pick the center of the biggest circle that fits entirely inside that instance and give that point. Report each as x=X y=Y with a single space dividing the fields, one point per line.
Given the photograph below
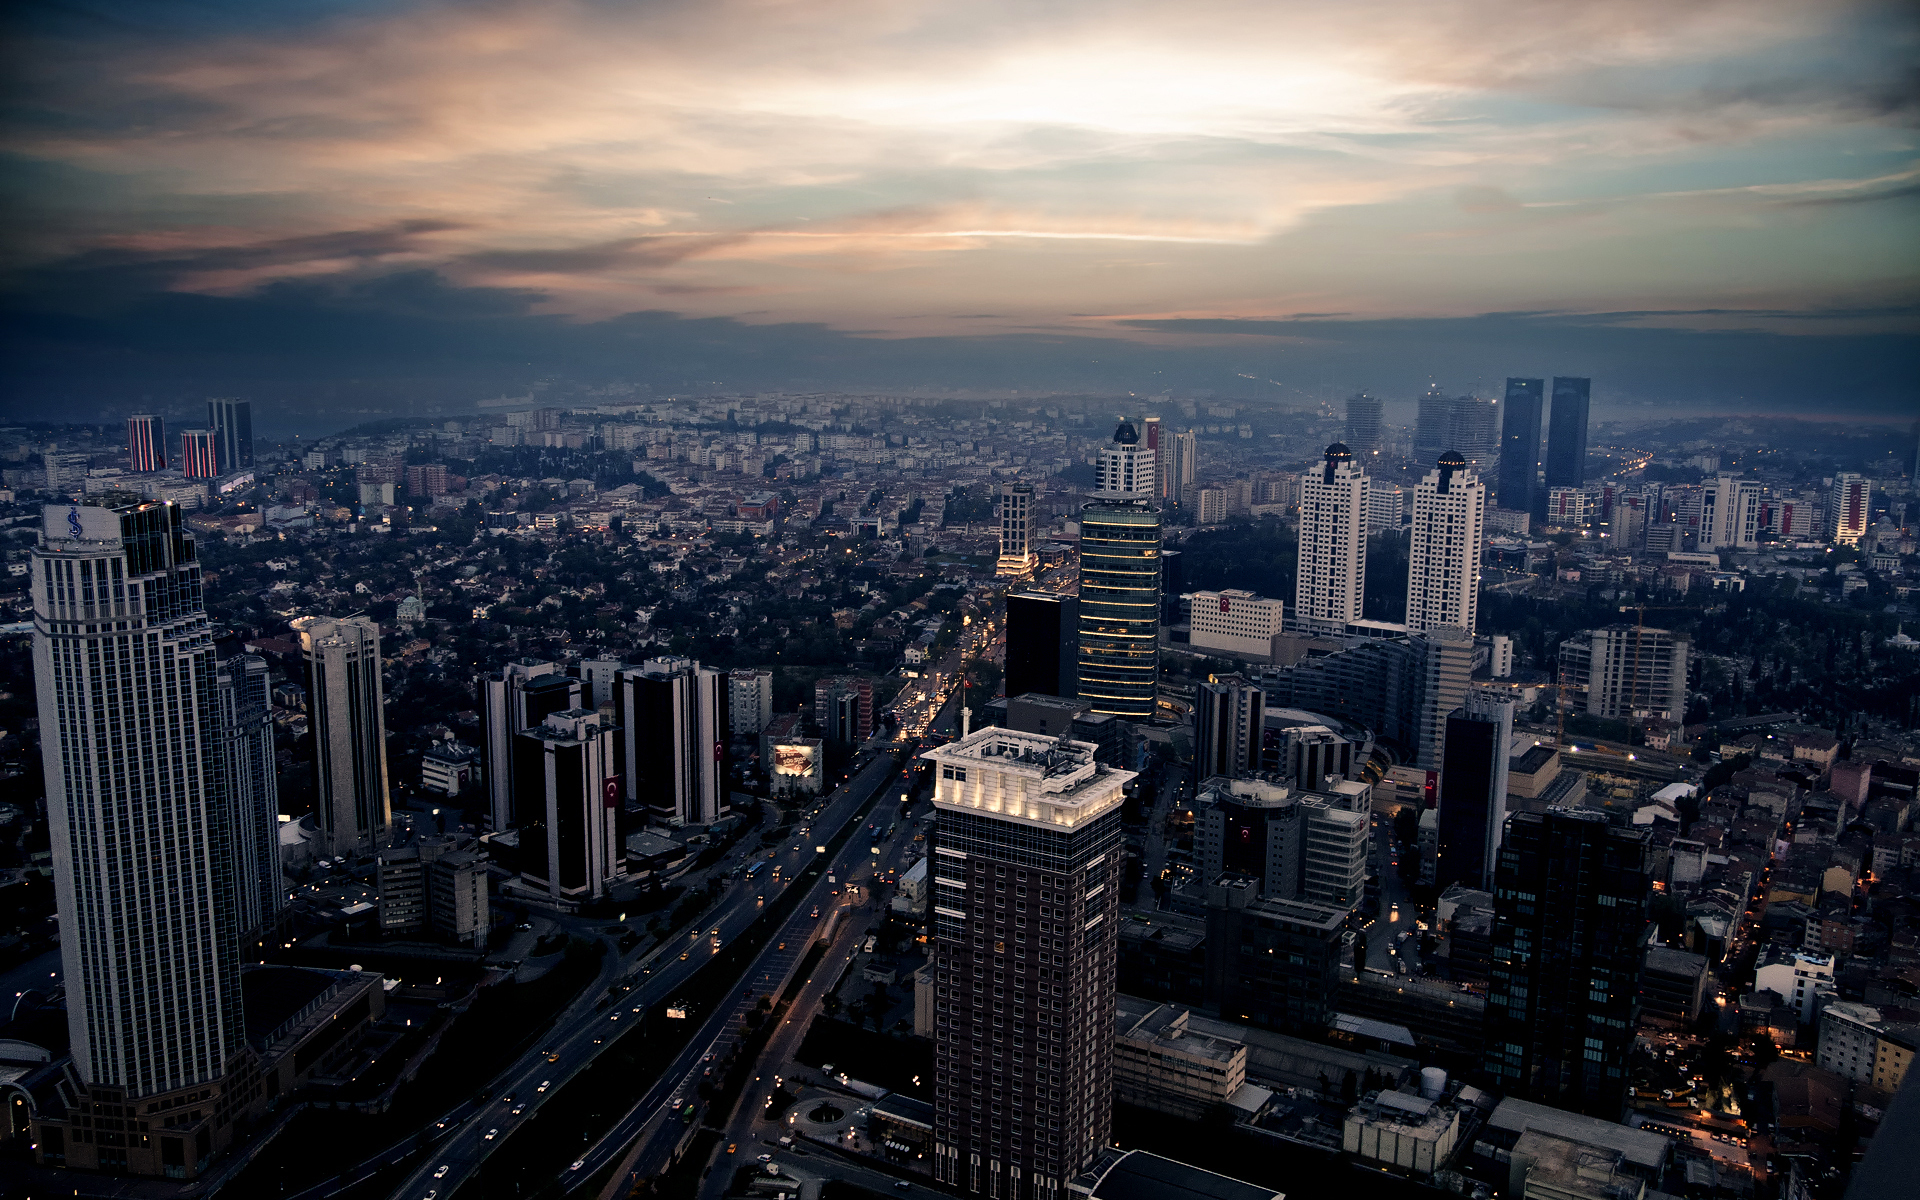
x=1794 y=518
x=1172 y=582
x=843 y=707
x=1567 y=433
x=1446 y=668
x=1567 y=508
x=1570 y=910
x=568 y=792
x=1430 y=424
x=146 y=444
x=1150 y=438
x=251 y=780
x=142 y=844
x=1023 y=1085
x=1124 y=469
x=1624 y=672
x=1294 y=844
x=1330 y=582
x=1386 y=507
x=1520 y=445
x=1473 y=790
x=1363 y=425
x=1847 y=516
x=1235 y=621
x=1271 y=963
x=1042 y=644
x=197 y=457
x=1183 y=467
x=1443 y=567
x=1736 y=513
x=749 y=700
x=1228 y=725
x=231 y=423
x=1473 y=429
x=517 y=696
x=1017 y=551
x=1629 y=524
x=673 y=729
x=1120 y=586
x=345 y=705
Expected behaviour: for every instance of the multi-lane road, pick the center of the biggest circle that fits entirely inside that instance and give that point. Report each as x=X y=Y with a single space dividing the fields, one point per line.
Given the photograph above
x=582 y=1031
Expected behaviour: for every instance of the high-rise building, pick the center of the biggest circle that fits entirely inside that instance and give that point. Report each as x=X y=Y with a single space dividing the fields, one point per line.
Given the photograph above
x=1124 y=469
x=1271 y=963
x=518 y=696
x=1330 y=583
x=569 y=797
x=1847 y=509
x=1017 y=551
x=1386 y=507
x=1183 y=467
x=251 y=779
x=1443 y=567
x=843 y=707
x=672 y=739
x=1042 y=644
x=1023 y=1008
x=1567 y=433
x=146 y=443
x=1119 y=665
x=231 y=423
x=1520 y=445
x=1236 y=621
x=1446 y=669
x=1570 y=910
x=1473 y=429
x=346 y=709
x=749 y=700
x=1473 y=790
x=142 y=840
x=1363 y=425
x=1567 y=508
x=1150 y=437
x=198 y=459
x=1294 y=845
x=1736 y=513
x=1228 y=726
x=1430 y=424
x=1624 y=672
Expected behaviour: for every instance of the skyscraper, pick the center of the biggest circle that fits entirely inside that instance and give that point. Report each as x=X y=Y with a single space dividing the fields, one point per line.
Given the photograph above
x=1120 y=585
x=1228 y=727
x=1150 y=438
x=1430 y=424
x=1570 y=907
x=1042 y=644
x=142 y=840
x=1443 y=567
x=1735 y=522
x=252 y=789
x=1330 y=583
x=1183 y=467
x=672 y=739
x=1567 y=433
x=345 y=700
x=198 y=459
x=146 y=443
x=1363 y=424
x=1520 y=445
x=1473 y=429
x=1473 y=790
x=1847 y=509
x=1446 y=670
x=1294 y=845
x=1026 y=874
x=569 y=795
x=749 y=700
x=231 y=422
x=518 y=696
x=1017 y=556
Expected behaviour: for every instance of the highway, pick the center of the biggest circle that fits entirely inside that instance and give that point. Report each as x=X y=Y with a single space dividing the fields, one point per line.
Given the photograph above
x=580 y=1033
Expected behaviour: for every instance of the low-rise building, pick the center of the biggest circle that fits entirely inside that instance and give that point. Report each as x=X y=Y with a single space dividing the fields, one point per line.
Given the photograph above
x=1159 y=1064
x=1410 y=1133
x=1235 y=621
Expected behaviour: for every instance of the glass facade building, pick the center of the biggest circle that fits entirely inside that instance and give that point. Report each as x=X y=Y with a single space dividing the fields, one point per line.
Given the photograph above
x=1120 y=607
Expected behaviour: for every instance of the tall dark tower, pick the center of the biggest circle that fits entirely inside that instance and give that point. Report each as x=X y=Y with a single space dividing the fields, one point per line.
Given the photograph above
x=1570 y=908
x=1567 y=433
x=1042 y=644
x=1518 y=481
x=1119 y=665
x=232 y=424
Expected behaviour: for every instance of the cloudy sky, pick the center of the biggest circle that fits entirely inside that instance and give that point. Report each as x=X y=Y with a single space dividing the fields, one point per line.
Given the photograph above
x=1699 y=202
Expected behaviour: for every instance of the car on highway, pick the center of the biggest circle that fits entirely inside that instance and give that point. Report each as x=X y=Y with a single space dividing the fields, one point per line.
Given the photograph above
x=490 y=1135
x=440 y=1172
x=544 y=1085
x=516 y=1110
x=816 y=911
x=577 y=1164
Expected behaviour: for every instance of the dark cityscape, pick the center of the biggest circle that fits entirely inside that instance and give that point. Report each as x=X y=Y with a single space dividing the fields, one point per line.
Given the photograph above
x=548 y=651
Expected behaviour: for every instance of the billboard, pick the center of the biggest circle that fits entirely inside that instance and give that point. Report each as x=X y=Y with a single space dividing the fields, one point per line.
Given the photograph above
x=796 y=759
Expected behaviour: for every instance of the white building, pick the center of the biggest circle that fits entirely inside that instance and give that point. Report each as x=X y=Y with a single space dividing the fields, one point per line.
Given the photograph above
x=749 y=700
x=1125 y=468
x=1849 y=1040
x=1799 y=979
x=448 y=768
x=1332 y=575
x=1567 y=508
x=1018 y=554
x=1386 y=507
x=1735 y=519
x=1235 y=620
x=1500 y=661
x=346 y=707
x=1443 y=567
x=1847 y=509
